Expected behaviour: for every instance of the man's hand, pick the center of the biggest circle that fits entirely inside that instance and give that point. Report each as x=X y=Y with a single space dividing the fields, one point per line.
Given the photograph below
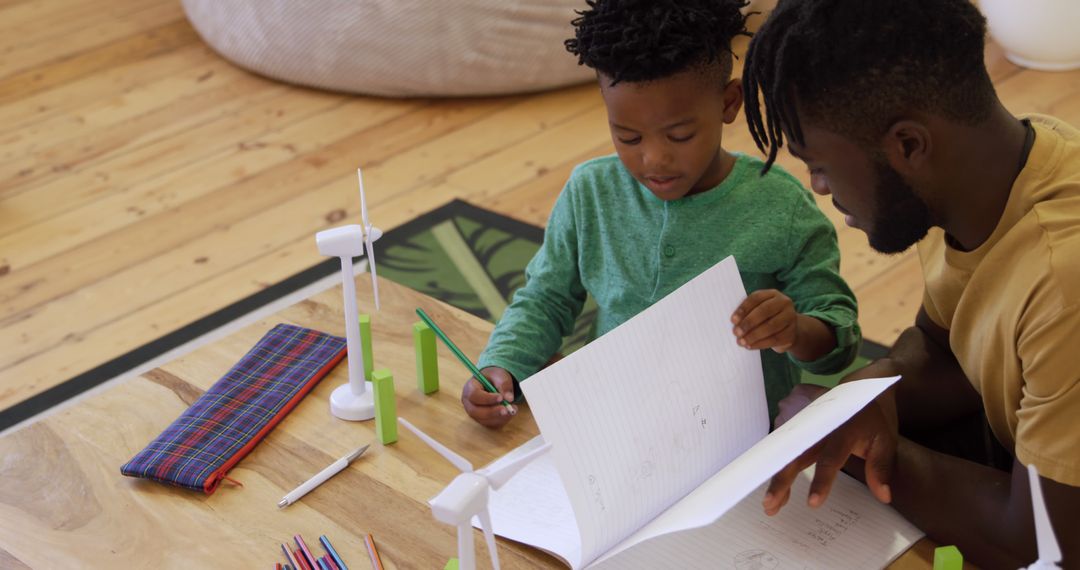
x=486 y=407
x=766 y=319
x=871 y=435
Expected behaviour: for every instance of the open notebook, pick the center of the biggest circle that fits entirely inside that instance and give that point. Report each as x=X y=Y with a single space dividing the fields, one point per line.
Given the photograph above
x=660 y=450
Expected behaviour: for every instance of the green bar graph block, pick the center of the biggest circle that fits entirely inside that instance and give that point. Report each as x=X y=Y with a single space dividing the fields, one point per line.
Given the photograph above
x=427 y=363
x=365 y=346
x=385 y=406
x=948 y=558
x=451 y=564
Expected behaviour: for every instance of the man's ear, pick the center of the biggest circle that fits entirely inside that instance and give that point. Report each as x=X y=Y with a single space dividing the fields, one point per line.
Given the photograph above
x=908 y=146
x=733 y=99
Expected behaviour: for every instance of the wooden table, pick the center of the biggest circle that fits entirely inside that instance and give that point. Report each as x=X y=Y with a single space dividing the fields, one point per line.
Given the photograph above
x=64 y=503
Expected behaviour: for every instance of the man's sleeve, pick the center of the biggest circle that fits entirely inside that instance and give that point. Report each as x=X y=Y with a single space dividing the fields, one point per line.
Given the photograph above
x=1048 y=421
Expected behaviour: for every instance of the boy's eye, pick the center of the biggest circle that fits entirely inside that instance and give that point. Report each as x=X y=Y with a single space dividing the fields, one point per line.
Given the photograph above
x=682 y=138
x=633 y=140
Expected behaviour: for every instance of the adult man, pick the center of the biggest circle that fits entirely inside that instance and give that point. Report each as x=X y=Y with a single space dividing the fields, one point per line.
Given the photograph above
x=890 y=106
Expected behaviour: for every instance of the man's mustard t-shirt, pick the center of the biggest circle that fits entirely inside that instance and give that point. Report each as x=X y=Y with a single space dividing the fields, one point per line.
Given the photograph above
x=1012 y=307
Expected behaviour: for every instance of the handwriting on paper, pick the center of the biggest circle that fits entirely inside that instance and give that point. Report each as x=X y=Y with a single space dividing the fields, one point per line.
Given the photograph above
x=830 y=526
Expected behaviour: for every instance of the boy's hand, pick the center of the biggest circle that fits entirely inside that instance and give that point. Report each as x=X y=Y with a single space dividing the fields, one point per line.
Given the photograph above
x=766 y=319
x=486 y=407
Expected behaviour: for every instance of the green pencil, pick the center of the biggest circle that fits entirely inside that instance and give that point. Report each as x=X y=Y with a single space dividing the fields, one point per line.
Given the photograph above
x=464 y=359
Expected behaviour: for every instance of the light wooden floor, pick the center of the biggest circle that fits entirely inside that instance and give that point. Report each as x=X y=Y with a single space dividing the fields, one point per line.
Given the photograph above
x=145 y=182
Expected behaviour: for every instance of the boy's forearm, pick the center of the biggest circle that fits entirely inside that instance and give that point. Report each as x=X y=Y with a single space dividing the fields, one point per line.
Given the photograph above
x=814 y=339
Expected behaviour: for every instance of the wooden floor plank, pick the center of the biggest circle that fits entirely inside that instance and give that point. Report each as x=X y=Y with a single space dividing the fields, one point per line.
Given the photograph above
x=87 y=91
x=137 y=47
x=100 y=23
x=298 y=124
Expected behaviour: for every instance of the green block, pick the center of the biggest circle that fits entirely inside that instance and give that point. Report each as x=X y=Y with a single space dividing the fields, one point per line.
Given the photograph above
x=427 y=363
x=365 y=346
x=451 y=564
x=948 y=558
x=385 y=406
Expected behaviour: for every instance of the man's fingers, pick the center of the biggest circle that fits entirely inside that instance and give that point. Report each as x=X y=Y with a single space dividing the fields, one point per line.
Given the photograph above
x=834 y=454
x=776 y=496
x=879 y=465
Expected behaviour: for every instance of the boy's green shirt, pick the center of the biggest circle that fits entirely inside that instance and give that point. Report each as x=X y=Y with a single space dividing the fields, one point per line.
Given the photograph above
x=610 y=237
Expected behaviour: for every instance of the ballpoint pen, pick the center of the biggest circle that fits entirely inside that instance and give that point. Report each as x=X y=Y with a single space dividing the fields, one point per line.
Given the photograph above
x=464 y=359
x=320 y=477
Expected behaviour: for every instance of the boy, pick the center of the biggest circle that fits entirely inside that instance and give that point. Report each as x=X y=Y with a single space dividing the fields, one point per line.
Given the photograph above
x=631 y=228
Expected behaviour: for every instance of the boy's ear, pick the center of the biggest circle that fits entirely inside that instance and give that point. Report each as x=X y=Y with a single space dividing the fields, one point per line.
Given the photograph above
x=733 y=99
x=907 y=146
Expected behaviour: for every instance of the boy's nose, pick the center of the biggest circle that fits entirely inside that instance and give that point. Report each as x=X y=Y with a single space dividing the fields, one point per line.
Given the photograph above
x=656 y=156
x=819 y=184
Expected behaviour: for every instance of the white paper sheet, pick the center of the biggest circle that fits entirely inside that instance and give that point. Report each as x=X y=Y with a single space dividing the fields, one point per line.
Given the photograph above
x=641 y=416
x=713 y=498
x=532 y=507
x=851 y=530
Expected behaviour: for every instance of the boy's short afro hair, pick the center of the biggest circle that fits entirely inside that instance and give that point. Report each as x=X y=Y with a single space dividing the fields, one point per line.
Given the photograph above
x=645 y=40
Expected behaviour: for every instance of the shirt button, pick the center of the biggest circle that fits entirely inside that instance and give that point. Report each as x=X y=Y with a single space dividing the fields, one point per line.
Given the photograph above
x=669 y=250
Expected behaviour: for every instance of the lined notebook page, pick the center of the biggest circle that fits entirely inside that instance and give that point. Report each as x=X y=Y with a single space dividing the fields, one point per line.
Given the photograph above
x=852 y=530
x=533 y=507
x=641 y=416
x=714 y=497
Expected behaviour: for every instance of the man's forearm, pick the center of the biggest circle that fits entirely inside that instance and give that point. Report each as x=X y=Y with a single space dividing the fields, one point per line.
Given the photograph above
x=934 y=390
x=963 y=503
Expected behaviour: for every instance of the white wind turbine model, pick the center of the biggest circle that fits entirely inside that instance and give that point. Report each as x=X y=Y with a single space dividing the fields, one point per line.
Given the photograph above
x=467 y=496
x=353 y=401
x=1049 y=551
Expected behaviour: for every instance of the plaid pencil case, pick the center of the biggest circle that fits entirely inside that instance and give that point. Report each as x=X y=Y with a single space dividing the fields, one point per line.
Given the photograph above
x=200 y=447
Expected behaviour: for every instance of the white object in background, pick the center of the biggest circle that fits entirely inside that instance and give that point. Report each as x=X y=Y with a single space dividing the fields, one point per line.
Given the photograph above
x=1038 y=34
x=353 y=401
x=1049 y=551
x=467 y=496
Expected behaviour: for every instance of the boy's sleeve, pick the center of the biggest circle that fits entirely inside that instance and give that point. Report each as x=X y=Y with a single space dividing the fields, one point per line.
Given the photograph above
x=543 y=311
x=812 y=281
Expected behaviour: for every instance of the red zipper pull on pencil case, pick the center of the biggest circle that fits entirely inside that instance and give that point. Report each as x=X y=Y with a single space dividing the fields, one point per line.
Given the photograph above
x=200 y=447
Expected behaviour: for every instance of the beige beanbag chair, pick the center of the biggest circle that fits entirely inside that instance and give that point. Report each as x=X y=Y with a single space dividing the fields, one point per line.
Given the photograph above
x=397 y=47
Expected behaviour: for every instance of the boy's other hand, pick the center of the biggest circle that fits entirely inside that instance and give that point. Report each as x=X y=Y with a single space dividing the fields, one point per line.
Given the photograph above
x=486 y=407
x=766 y=319
x=801 y=395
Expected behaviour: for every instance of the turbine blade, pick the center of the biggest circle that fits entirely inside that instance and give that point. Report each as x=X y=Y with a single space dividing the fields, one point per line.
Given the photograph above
x=457 y=460
x=371 y=268
x=489 y=536
x=499 y=477
x=1049 y=551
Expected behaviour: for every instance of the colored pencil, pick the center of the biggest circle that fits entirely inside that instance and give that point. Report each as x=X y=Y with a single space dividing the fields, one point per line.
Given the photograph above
x=332 y=552
x=376 y=561
x=309 y=558
x=289 y=557
x=464 y=359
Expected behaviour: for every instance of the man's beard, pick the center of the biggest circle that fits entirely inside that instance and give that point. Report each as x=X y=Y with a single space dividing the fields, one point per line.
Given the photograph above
x=901 y=217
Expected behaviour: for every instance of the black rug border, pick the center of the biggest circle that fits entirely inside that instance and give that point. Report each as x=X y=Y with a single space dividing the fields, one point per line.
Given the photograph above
x=98 y=375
